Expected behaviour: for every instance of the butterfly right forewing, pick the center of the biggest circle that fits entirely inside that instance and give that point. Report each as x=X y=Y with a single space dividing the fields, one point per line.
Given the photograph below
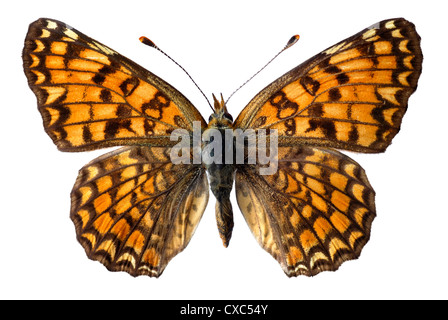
x=350 y=96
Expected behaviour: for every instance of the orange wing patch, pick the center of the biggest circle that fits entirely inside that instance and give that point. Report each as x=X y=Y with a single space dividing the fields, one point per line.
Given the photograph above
x=123 y=202
x=351 y=96
x=91 y=97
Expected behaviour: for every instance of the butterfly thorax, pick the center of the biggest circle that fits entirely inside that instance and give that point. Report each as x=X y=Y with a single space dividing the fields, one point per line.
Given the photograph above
x=221 y=172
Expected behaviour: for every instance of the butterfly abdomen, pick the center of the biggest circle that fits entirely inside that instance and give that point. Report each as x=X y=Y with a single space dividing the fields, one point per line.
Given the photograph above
x=221 y=182
x=224 y=219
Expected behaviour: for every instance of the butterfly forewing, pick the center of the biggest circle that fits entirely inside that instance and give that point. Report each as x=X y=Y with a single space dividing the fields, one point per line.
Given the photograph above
x=91 y=97
x=134 y=210
x=351 y=96
x=313 y=214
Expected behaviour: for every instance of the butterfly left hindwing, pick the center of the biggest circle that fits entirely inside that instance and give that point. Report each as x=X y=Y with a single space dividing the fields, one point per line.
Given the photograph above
x=134 y=210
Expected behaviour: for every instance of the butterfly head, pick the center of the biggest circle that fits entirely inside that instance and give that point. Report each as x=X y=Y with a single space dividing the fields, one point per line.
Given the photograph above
x=221 y=117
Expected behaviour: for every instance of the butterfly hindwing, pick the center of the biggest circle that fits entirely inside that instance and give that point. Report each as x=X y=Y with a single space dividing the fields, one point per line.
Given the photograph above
x=134 y=210
x=92 y=97
x=351 y=96
x=313 y=214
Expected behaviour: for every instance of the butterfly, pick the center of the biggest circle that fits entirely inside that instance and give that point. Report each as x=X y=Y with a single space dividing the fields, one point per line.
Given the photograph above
x=134 y=209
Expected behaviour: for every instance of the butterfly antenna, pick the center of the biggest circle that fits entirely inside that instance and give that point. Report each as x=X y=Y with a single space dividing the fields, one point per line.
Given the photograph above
x=149 y=43
x=288 y=45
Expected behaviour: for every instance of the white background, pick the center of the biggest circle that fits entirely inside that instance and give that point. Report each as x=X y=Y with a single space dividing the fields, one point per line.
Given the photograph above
x=222 y=43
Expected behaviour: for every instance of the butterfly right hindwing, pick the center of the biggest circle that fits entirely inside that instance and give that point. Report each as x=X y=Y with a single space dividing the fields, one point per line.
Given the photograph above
x=313 y=214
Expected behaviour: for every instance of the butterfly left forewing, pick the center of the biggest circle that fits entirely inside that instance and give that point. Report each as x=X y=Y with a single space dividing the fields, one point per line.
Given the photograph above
x=134 y=210
x=313 y=214
x=92 y=97
x=351 y=96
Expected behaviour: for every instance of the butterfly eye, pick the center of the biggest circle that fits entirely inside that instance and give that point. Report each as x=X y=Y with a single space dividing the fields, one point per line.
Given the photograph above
x=210 y=118
x=228 y=116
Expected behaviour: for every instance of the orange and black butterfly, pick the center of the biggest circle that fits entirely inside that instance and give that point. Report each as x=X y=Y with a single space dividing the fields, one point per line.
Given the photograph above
x=134 y=209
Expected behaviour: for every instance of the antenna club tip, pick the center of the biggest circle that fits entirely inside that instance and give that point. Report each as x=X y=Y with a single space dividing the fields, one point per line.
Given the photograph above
x=148 y=42
x=292 y=41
